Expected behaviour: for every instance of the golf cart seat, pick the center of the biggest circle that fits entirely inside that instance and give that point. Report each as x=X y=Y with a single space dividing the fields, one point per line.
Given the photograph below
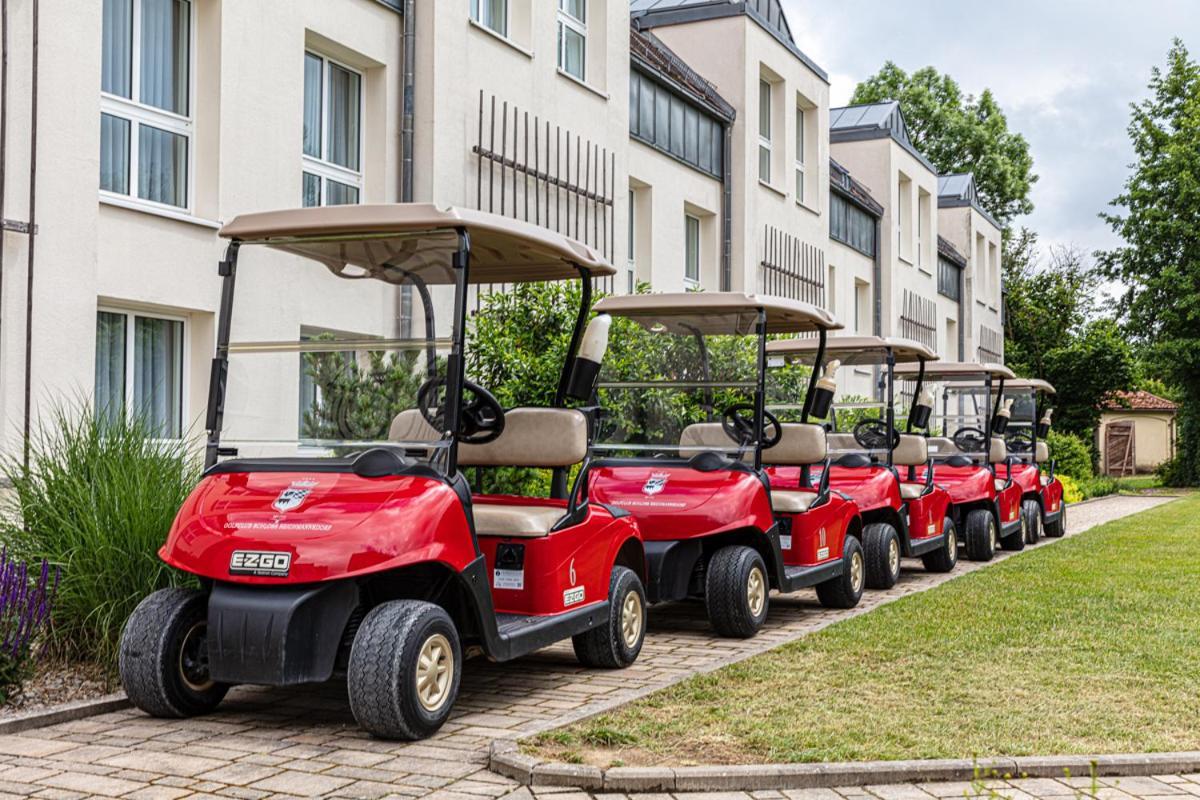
x=913 y=451
x=942 y=446
x=703 y=437
x=800 y=444
x=533 y=437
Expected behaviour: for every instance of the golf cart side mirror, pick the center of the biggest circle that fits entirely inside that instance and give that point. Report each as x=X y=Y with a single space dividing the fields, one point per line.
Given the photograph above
x=1043 y=428
x=1000 y=421
x=921 y=411
x=825 y=389
x=585 y=372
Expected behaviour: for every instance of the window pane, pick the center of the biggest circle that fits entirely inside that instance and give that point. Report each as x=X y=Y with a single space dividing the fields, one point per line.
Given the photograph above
x=635 y=82
x=114 y=154
x=691 y=135
x=110 y=366
x=718 y=158
x=693 y=248
x=312 y=105
x=158 y=374
x=344 y=99
x=677 y=107
x=497 y=16
x=116 y=66
x=800 y=185
x=312 y=190
x=164 y=72
x=706 y=134
x=632 y=209
x=799 y=136
x=764 y=110
x=662 y=113
x=339 y=194
x=576 y=8
x=162 y=166
x=572 y=55
x=646 y=115
x=764 y=164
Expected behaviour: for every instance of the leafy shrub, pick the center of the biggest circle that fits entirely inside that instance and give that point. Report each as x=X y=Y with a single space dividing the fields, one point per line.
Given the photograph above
x=1072 y=455
x=1172 y=473
x=25 y=603
x=1099 y=486
x=1071 y=490
x=97 y=502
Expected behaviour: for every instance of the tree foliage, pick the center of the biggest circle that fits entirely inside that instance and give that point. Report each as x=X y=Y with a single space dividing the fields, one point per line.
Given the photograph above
x=1157 y=215
x=960 y=133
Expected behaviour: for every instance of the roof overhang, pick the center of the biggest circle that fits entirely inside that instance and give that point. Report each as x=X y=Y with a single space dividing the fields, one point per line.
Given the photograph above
x=395 y=241
x=710 y=312
x=855 y=349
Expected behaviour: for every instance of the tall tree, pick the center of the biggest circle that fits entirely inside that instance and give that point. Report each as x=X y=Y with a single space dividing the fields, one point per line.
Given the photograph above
x=1158 y=218
x=960 y=133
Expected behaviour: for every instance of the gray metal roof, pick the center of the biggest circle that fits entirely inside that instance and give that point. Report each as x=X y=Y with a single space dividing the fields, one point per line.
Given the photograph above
x=959 y=191
x=768 y=14
x=840 y=180
x=874 y=121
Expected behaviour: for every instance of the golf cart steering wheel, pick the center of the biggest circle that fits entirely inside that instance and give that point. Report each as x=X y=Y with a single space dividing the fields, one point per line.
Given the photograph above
x=872 y=434
x=481 y=420
x=740 y=428
x=970 y=440
x=1019 y=441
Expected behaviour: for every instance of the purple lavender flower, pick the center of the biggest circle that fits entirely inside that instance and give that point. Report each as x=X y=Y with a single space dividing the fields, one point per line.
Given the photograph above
x=25 y=606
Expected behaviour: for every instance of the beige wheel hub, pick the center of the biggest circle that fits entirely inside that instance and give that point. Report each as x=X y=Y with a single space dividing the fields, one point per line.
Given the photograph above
x=894 y=557
x=856 y=572
x=951 y=543
x=992 y=536
x=756 y=591
x=435 y=672
x=193 y=658
x=632 y=619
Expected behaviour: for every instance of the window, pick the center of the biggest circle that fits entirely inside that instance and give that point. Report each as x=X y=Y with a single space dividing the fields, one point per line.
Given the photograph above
x=850 y=225
x=862 y=307
x=831 y=291
x=572 y=37
x=145 y=103
x=631 y=244
x=923 y=238
x=312 y=366
x=139 y=370
x=691 y=265
x=949 y=279
x=800 y=140
x=332 y=147
x=764 y=131
x=904 y=217
x=662 y=119
x=491 y=14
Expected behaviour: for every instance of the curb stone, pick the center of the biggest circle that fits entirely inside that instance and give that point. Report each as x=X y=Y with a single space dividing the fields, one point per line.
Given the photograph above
x=506 y=759
x=67 y=712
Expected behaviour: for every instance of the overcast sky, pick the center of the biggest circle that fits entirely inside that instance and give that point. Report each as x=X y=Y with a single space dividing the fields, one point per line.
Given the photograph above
x=1064 y=71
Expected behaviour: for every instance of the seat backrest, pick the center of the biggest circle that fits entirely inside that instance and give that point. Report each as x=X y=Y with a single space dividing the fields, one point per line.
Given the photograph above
x=842 y=441
x=942 y=446
x=913 y=451
x=533 y=437
x=998 y=451
x=799 y=444
x=701 y=437
x=1041 y=453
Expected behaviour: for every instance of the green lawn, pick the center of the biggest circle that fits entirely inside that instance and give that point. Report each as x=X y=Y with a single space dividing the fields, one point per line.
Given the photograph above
x=1089 y=646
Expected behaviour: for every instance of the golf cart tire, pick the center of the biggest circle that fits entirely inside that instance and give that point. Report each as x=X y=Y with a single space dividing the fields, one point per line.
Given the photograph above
x=381 y=678
x=1016 y=540
x=150 y=662
x=840 y=592
x=1033 y=521
x=878 y=539
x=981 y=527
x=604 y=646
x=945 y=557
x=1058 y=528
x=725 y=595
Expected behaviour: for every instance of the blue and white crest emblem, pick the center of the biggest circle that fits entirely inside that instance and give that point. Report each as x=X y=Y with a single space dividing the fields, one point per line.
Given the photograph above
x=290 y=498
x=655 y=483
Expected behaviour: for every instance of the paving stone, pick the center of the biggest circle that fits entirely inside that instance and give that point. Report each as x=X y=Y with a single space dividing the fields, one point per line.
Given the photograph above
x=898 y=791
x=158 y=793
x=301 y=784
x=239 y=774
x=91 y=784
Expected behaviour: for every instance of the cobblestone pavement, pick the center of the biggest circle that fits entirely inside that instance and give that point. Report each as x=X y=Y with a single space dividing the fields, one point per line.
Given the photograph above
x=272 y=743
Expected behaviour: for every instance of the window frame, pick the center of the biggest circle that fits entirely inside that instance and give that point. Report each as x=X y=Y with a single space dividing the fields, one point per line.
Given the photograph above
x=765 y=144
x=801 y=165
x=567 y=20
x=322 y=168
x=688 y=280
x=131 y=316
x=136 y=113
x=476 y=14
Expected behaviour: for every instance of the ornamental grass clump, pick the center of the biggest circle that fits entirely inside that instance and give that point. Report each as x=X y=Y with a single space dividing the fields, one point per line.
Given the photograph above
x=97 y=501
x=25 y=602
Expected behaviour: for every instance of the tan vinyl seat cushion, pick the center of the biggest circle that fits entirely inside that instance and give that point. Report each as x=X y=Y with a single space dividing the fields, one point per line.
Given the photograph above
x=527 y=522
x=998 y=451
x=790 y=502
x=533 y=437
x=842 y=441
x=913 y=451
x=1041 y=453
x=700 y=437
x=799 y=444
x=942 y=446
x=911 y=491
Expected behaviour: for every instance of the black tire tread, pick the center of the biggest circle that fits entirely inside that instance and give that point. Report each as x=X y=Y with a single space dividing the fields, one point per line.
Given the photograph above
x=875 y=553
x=942 y=559
x=838 y=592
x=977 y=539
x=725 y=591
x=1033 y=520
x=603 y=646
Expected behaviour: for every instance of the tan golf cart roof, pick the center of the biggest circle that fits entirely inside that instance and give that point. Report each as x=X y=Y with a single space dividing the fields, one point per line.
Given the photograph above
x=854 y=349
x=1037 y=384
x=710 y=312
x=959 y=370
x=395 y=240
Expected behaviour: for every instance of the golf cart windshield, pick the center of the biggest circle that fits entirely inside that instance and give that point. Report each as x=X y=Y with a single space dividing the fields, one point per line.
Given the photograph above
x=965 y=408
x=1021 y=437
x=684 y=372
x=358 y=343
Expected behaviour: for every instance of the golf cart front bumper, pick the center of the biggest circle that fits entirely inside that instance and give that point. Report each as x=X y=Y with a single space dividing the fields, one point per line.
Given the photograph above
x=277 y=636
x=1054 y=516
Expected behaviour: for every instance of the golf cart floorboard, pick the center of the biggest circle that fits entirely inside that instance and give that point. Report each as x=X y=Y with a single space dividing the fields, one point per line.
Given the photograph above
x=525 y=633
x=922 y=546
x=804 y=577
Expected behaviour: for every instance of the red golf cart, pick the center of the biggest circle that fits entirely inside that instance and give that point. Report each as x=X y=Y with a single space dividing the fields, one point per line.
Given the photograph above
x=684 y=437
x=972 y=458
x=903 y=512
x=361 y=551
x=1041 y=492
